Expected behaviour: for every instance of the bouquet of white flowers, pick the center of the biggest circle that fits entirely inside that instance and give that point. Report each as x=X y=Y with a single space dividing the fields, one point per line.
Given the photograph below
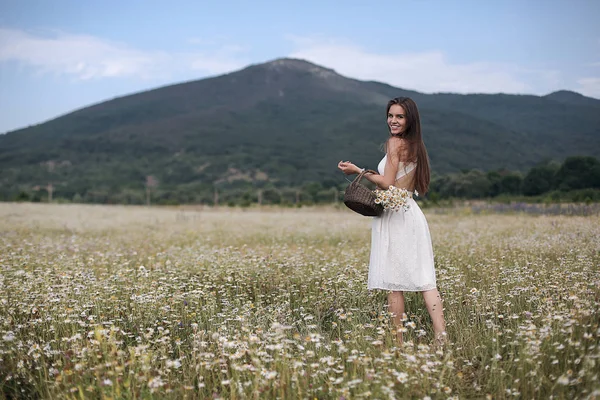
x=393 y=198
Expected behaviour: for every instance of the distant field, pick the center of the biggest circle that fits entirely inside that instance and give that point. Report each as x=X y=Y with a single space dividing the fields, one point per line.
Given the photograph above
x=135 y=302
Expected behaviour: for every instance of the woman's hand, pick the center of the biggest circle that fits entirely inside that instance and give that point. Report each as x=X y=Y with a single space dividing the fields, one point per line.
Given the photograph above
x=348 y=168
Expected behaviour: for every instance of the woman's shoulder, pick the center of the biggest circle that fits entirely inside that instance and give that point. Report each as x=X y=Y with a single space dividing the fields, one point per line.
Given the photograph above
x=396 y=147
x=396 y=143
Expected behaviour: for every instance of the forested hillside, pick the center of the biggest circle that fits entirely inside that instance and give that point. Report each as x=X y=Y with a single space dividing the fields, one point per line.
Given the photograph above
x=281 y=125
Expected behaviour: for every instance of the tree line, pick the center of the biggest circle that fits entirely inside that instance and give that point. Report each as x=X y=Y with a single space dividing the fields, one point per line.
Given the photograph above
x=576 y=179
x=576 y=176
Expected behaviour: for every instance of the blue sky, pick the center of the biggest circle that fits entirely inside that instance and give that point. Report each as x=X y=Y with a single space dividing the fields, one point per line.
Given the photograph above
x=57 y=56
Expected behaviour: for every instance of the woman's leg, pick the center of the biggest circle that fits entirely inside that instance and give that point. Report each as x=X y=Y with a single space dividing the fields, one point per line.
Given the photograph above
x=433 y=302
x=396 y=308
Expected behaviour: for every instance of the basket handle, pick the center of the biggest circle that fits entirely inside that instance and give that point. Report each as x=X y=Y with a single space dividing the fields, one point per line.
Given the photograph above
x=362 y=174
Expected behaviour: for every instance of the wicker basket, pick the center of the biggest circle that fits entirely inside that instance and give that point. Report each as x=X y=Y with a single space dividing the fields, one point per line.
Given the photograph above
x=361 y=199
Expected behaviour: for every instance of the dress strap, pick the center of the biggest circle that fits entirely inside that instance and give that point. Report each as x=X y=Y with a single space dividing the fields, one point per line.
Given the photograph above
x=405 y=169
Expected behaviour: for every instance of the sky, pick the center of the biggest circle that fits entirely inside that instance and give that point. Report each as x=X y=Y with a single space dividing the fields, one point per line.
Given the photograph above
x=58 y=56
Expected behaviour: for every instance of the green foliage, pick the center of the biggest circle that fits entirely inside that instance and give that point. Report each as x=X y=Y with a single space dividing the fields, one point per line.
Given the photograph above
x=574 y=175
x=540 y=179
x=511 y=183
x=467 y=184
x=578 y=173
x=23 y=196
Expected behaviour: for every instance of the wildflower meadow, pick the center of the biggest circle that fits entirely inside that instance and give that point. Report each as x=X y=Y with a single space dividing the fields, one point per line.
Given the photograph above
x=127 y=302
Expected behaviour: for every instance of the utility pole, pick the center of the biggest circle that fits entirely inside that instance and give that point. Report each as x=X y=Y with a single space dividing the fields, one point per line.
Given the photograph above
x=151 y=183
x=50 y=190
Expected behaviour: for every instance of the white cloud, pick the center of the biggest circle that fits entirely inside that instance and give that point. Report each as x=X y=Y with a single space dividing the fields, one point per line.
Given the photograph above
x=88 y=57
x=225 y=59
x=589 y=86
x=427 y=71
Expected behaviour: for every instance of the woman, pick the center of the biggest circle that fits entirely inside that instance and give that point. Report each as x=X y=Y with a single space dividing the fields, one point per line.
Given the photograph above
x=401 y=252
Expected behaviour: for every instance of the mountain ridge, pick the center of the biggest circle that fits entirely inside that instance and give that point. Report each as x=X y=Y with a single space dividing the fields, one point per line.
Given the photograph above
x=291 y=121
x=562 y=96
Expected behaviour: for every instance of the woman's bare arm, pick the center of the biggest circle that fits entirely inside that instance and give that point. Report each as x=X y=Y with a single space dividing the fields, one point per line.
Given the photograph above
x=394 y=147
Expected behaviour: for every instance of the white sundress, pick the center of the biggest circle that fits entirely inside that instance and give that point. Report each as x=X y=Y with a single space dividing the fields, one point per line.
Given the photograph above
x=401 y=251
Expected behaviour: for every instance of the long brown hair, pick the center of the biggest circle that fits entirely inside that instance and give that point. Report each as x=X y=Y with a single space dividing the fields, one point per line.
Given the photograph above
x=416 y=151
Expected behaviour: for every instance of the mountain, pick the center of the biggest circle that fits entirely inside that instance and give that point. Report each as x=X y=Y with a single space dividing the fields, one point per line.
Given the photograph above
x=572 y=98
x=282 y=123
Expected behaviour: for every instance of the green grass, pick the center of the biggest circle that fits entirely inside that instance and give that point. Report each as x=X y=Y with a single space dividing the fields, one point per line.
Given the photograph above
x=134 y=302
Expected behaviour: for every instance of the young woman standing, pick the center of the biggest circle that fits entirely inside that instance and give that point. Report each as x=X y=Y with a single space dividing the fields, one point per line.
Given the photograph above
x=401 y=252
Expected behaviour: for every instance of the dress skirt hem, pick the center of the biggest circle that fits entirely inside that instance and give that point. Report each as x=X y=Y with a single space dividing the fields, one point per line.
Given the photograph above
x=400 y=289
